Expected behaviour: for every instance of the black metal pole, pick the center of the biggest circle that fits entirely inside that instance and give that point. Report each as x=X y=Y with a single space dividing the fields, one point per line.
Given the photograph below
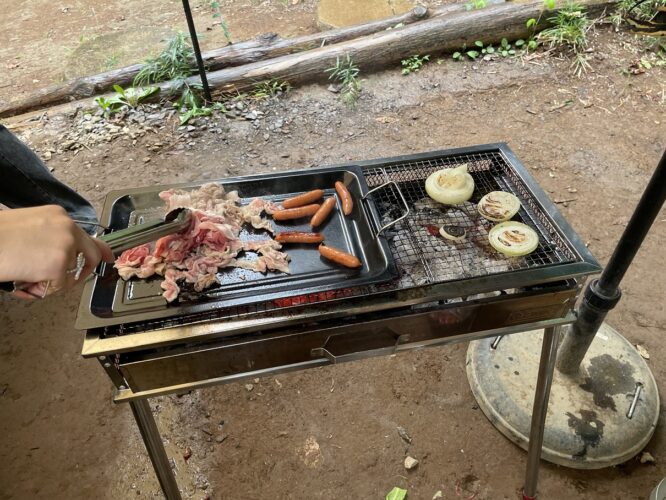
x=603 y=294
x=197 y=50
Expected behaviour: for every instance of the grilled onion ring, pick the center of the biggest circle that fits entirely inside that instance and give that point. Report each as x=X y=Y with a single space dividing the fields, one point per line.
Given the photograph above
x=514 y=239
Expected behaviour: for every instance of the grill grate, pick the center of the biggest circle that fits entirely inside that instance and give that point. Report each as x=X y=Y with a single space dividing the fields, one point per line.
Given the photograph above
x=421 y=257
x=426 y=258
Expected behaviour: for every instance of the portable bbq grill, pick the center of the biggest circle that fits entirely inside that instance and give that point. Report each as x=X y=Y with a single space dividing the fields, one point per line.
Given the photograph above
x=414 y=290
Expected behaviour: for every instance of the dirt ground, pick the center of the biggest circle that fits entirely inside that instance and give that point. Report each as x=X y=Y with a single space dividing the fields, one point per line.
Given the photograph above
x=331 y=432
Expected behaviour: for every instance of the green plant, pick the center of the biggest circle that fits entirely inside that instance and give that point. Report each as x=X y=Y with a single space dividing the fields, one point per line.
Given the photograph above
x=130 y=97
x=269 y=88
x=642 y=11
x=111 y=61
x=175 y=63
x=413 y=64
x=476 y=4
x=217 y=14
x=568 y=30
x=345 y=72
x=399 y=25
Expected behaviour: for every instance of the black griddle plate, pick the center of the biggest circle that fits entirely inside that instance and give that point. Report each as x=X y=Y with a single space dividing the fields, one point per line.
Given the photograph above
x=108 y=300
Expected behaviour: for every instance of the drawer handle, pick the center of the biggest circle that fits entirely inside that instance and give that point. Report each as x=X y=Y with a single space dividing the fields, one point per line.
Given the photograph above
x=344 y=347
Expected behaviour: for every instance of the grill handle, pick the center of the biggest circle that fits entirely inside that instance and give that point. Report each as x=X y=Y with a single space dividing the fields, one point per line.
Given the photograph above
x=356 y=345
x=400 y=195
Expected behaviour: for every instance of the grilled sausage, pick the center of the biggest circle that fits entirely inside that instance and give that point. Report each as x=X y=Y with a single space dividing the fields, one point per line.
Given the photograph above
x=296 y=213
x=339 y=257
x=323 y=212
x=298 y=237
x=303 y=199
x=345 y=197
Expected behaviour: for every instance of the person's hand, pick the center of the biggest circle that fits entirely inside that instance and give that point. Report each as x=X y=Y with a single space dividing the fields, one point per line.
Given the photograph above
x=39 y=247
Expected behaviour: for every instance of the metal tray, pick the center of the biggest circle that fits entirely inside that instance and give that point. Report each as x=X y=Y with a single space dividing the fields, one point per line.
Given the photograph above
x=108 y=300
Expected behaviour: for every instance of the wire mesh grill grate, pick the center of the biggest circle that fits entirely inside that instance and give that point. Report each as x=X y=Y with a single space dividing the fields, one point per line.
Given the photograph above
x=421 y=255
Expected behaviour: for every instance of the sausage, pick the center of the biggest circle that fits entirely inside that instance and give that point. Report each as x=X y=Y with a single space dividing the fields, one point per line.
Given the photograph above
x=298 y=237
x=296 y=213
x=345 y=197
x=303 y=199
x=339 y=257
x=323 y=213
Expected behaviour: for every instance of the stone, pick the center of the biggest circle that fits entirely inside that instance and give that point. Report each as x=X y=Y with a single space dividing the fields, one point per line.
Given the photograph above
x=410 y=463
x=340 y=13
x=249 y=387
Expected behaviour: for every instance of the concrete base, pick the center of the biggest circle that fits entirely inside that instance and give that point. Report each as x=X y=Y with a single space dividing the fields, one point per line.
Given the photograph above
x=587 y=425
x=340 y=13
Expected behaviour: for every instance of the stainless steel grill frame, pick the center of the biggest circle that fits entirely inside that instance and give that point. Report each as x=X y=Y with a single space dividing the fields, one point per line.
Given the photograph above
x=561 y=256
x=228 y=344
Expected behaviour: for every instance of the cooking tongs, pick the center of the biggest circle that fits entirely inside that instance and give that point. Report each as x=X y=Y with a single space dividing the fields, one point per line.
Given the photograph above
x=174 y=221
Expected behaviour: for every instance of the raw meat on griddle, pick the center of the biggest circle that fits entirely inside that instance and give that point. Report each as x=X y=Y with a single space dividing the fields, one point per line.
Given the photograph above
x=211 y=242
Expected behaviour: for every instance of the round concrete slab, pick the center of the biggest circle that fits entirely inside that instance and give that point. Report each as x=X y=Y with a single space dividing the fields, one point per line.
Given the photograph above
x=340 y=13
x=587 y=425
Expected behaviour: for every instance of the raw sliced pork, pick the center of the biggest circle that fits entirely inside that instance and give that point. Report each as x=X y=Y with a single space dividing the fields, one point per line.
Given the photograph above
x=210 y=242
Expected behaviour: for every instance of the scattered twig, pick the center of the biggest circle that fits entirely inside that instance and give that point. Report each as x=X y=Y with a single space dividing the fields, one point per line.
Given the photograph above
x=566 y=201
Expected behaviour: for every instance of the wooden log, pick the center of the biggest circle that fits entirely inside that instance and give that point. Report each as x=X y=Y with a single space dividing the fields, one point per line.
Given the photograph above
x=263 y=47
x=431 y=36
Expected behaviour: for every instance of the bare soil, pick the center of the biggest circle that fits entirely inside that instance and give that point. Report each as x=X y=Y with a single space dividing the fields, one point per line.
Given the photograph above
x=331 y=432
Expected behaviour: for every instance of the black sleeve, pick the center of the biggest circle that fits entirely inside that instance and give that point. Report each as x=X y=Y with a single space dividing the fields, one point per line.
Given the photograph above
x=26 y=182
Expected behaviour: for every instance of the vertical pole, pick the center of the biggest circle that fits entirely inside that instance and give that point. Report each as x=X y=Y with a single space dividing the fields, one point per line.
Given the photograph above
x=539 y=411
x=603 y=294
x=153 y=441
x=197 y=51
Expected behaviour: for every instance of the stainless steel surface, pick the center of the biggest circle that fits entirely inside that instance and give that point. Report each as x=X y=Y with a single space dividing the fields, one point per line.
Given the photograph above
x=124 y=239
x=541 y=395
x=354 y=337
x=129 y=394
x=153 y=441
x=634 y=401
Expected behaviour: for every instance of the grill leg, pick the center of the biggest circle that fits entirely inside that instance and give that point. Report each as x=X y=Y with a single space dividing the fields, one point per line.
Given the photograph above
x=153 y=441
x=541 y=395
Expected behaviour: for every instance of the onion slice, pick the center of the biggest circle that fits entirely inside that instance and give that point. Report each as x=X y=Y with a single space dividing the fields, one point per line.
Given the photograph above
x=451 y=186
x=514 y=239
x=453 y=233
x=499 y=206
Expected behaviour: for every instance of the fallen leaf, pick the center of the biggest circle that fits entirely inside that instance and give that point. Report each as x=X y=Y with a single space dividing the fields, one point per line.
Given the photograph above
x=396 y=494
x=647 y=458
x=642 y=351
x=438 y=494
